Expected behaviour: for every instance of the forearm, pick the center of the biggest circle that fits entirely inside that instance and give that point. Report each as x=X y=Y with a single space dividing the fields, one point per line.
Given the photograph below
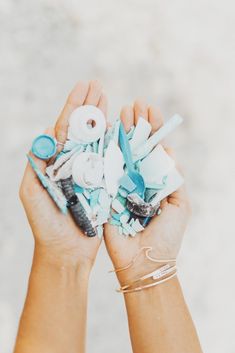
x=54 y=315
x=159 y=320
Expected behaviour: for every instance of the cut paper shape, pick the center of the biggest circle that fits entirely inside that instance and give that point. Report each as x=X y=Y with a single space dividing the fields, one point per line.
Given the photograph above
x=159 y=135
x=174 y=182
x=117 y=206
x=113 y=168
x=62 y=168
x=156 y=165
x=86 y=124
x=135 y=176
x=88 y=170
x=141 y=133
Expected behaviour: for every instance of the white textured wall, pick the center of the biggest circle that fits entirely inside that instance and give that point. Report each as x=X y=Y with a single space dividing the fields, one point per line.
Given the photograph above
x=180 y=55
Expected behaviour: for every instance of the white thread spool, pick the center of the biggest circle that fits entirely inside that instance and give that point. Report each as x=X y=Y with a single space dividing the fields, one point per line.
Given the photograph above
x=88 y=170
x=86 y=124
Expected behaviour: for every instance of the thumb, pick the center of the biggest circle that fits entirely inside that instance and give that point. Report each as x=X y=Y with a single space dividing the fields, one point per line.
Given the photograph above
x=180 y=195
x=29 y=174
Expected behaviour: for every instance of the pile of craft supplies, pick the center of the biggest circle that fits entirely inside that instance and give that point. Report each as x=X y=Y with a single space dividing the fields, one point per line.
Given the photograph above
x=107 y=175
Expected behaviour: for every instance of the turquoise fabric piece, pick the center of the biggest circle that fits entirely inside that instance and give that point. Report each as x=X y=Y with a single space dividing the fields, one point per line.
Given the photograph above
x=44 y=146
x=116 y=216
x=127 y=183
x=123 y=192
x=94 y=197
x=121 y=199
x=114 y=222
x=78 y=189
x=127 y=155
x=52 y=189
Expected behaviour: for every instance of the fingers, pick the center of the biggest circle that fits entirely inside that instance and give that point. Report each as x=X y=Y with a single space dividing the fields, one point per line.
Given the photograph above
x=127 y=117
x=155 y=118
x=103 y=104
x=140 y=110
x=179 y=195
x=76 y=98
x=94 y=93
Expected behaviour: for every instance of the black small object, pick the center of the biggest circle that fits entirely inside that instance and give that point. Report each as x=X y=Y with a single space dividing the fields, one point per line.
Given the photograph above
x=77 y=211
x=73 y=200
x=140 y=207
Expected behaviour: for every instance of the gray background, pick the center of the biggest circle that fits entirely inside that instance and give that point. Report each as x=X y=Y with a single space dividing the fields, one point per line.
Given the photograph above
x=177 y=54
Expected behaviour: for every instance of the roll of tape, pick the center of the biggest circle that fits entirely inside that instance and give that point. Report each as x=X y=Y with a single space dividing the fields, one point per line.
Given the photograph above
x=88 y=170
x=86 y=124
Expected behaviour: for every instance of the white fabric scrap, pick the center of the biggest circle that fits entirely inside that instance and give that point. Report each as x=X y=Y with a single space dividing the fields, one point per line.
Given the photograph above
x=156 y=165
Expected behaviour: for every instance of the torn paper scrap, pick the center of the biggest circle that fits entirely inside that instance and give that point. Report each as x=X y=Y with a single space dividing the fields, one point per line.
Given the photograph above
x=174 y=182
x=156 y=165
x=113 y=168
x=141 y=133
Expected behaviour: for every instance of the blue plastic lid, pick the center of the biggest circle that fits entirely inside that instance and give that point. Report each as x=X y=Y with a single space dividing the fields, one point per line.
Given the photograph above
x=44 y=146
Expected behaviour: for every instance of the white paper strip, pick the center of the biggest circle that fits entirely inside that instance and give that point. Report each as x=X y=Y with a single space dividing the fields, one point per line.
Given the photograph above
x=141 y=133
x=159 y=135
x=113 y=168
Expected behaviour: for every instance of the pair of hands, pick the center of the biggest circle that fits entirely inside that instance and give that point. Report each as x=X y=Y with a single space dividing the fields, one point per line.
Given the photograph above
x=59 y=239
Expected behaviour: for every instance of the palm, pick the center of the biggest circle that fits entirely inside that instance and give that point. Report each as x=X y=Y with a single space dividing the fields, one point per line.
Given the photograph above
x=52 y=228
x=164 y=233
x=49 y=225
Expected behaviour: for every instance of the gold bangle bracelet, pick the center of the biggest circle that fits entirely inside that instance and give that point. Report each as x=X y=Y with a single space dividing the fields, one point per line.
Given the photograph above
x=137 y=289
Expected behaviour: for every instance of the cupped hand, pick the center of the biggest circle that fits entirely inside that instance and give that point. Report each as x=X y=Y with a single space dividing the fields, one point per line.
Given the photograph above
x=164 y=233
x=57 y=234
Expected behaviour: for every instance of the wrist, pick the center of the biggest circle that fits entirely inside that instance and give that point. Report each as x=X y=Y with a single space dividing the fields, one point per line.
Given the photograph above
x=51 y=257
x=142 y=266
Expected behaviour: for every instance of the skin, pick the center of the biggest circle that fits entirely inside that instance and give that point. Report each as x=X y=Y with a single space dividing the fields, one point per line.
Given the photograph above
x=159 y=320
x=54 y=315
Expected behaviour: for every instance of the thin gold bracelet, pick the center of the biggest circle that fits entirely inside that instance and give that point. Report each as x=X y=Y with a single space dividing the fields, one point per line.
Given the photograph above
x=137 y=289
x=155 y=275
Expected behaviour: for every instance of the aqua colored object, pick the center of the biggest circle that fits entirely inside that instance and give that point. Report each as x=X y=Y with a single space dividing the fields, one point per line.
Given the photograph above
x=44 y=146
x=78 y=189
x=52 y=189
x=127 y=183
x=143 y=150
x=136 y=178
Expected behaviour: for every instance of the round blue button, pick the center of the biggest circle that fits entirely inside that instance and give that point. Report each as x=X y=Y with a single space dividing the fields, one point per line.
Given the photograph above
x=44 y=146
